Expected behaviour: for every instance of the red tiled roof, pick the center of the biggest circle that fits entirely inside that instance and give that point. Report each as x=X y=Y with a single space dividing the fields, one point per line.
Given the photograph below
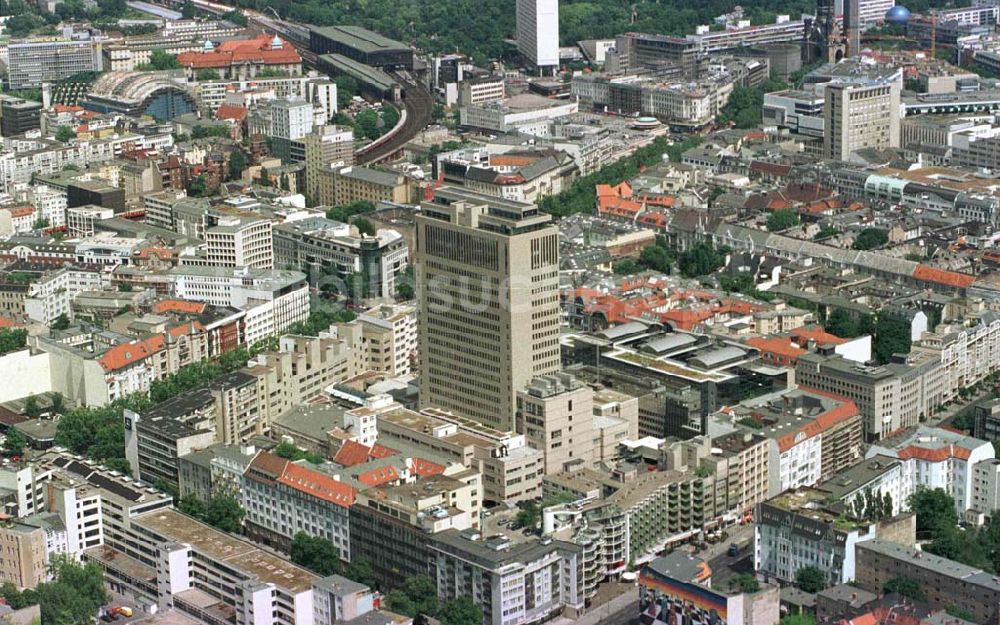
x=9 y=323
x=941 y=276
x=379 y=476
x=381 y=451
x=21 y=211
x=352 y=453
x=269 y=464
x=776 y=345
x=257 y=50
x=843 y=411
x=231 y=111
x=126 y=354
x=815 y=333
x=317 y=484
x=179 y=306
x=939 y=454
x=426 y=468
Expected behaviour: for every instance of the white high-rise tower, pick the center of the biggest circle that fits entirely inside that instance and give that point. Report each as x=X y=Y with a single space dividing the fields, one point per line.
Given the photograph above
x=538 y=31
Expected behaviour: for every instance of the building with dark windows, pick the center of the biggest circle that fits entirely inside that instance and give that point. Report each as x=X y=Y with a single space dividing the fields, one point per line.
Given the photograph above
x=18 y=116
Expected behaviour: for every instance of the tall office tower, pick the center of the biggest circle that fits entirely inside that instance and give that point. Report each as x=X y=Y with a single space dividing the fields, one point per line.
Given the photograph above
x=860 y=116
x=852 y=27
x=488 y=289
x=538 y=32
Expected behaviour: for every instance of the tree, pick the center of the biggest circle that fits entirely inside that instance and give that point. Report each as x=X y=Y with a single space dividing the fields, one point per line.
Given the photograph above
x=841 y=323
x=892 y=336
x=782 y=219
x=345 y=212
x=12 y=339
x=64 y=134
x=417 y=595
x=291 y=452
x=160 y=60
x=347 y=88
x=404 y=284
x=237 y=164
x=360 y=570
x=906 y=587
x=74 y=595
x=935 y=510
x=316 y=554
x=744 y=582
x=41 y=223
x=21 y=25
x=222 y=512
x=31 y=407
x=61 y=322
x=870 y=238
x=460 y=611
x=201 y=131
x=198 y=186
x=364 y=226
x=206 y=74
x=225 y=513
x=701 y=260
x=810 y=579
x=235 y=17
x=626 y=267
x=58 y=403
x=657 y=258
x=188 y=10
x=15 y=442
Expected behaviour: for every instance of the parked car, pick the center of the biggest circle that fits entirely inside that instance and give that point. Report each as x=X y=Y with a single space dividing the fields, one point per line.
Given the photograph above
x=734 y=550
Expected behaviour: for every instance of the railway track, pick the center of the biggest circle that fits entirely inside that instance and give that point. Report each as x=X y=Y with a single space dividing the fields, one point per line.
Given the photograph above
x=417 y=100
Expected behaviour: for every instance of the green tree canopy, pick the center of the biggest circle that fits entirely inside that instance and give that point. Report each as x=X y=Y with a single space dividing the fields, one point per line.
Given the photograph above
x=64 y=134
x=810 y=579
x=892 y=336
x=15 y=442
x=460 y=611
x=782 y=219
x=417 y=595
x=12 y=339
x=160 y=60
x=870 y=238
x=701 y=260
x=316 y=554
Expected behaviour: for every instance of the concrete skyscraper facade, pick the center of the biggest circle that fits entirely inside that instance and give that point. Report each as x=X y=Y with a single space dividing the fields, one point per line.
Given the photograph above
x=538 y=32
x=488 y=290
x=860 y=116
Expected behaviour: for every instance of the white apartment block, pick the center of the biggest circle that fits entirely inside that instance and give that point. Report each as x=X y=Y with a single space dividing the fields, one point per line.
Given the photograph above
x=291 y=119
x=969 y=352
x=51 y=296
x=213 y=94
x=513 y=583
x=389 y=337
x=283 y=498
x=49 y=202
x=538 y=31
x=481 y=91
x=273 y=299
x=792 y=531
x=986 y=486
x=938 y=458
x=238 y=242
x=25 y=157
